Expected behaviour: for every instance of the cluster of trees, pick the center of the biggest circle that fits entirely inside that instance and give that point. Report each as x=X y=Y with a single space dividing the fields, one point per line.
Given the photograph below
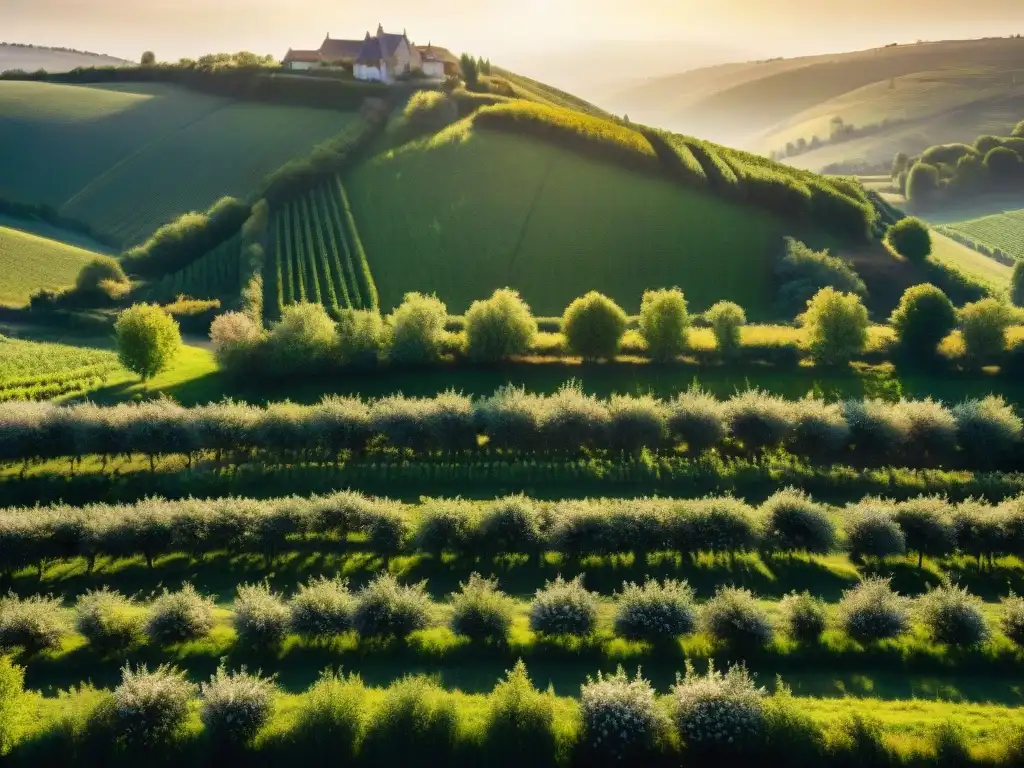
x=788 y=522
x=472 y=68
x=951 y=171
x=839 y=131
x=974 y=434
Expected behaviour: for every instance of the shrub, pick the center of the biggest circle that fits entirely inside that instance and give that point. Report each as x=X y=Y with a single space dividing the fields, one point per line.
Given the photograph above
x=574 y=420
x=480 y=611
x=321 y=608
x=329 y=722
x=664 y=323
x=147 y=339
x=637 y=423
x=837 y=326
x=564 y=608
x=792 y=522
x=302 y=340
x=429 y=112
x=102 y=276
x=150 y=708
x=1012 y=622
x=36 y=623
x=261 y=617
x=417 y=330
x=621 y=721
x=758 y=419
x=871 y=532
x=727 y=321
x=697 y=419
x=593 y=326
x=12 y=686
x=983 y=324
x=804 y=615
x=236 y=705
x=519 y=726
x=416 y=718
x=109 y=620
x=910 y=238
x=733 y=617
x=872 y=611
x=386 y=608
x=988 y=430
x=954 y=616
x=1003 y=165
x=175 y=617
x=655 y=610
x=718 y=713
x=362 y=337
x=877 y=429
x=818 y=428
x=932 y=428
x=512 y=418
x=979 y=530
x=926 y=527
x=802 y=272
x=1017 y=284
x=500 y=327
x=510 y=525
x=924 y=317
x=445 y=526
x=922 y=183
x=235 y=338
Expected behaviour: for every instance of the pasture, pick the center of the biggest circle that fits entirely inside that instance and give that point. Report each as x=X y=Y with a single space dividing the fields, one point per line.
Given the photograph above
x=30 y=262
x=977 y=265
x=136 y=156
x=461 y=214
x=1003 y=231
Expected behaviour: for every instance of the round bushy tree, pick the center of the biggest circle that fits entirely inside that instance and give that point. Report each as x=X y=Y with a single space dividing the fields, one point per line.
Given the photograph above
x=480 y=611
x=362 y=338
x=593 y=325
x=988 y=430
x=147 y=339
x=870 y=532
x=236 y=705
x=927 y=527
x=261 y=617
x=983 y=324
x=302 y=340
x=178 y=616
x=387 y=608
x=911 y=239
x=922 y=183
x=872 y=611
x=924 y=317
x=564 y=608
x=655 y=610
x=805 y=616
x=417 y=330
x=734 y=617
x=727 y=320
x=698 y=419
x=954 y=616
x=499 y=327
x=102 y=276
x=235 y=337
x=621 y=721
x=1017 y=284
x=792 y=522
x=321 y=609
x=1012 y=622
x=1004 y=165
x=837 y=326
x=109 y=620
x=150 y=708
x=519 y=728
x=664 y=322
x=719 y=714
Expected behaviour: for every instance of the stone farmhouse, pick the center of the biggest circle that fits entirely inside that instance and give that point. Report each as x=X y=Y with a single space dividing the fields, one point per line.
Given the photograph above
x=383 y=57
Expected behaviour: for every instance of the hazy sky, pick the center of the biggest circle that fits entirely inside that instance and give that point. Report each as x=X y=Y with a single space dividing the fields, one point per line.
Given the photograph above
x=499 y=28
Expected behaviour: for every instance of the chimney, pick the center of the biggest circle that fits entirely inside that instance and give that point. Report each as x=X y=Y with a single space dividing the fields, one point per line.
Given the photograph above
x=380 y=29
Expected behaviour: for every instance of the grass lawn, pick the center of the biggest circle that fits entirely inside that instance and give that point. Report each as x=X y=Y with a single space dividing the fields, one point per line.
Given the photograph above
x=977 y=265
x=468 y=212
x=29 y=262
x=135 y=156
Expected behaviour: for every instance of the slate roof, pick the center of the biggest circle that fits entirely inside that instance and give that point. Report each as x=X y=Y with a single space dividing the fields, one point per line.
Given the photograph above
x=341 y=50
x=310 y=57
x=436 y=53
x=369 y=52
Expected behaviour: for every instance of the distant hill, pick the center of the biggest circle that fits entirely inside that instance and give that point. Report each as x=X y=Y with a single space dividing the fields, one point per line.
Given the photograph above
x=31 y=58
x=925 y=94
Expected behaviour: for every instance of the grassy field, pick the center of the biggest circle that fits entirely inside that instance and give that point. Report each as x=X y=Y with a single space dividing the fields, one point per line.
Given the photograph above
x=29 y=262
x=134 y=156
x=50 y=59
x=465 y=213
x=932 y=93
x=979 y=266
x=1004 y=231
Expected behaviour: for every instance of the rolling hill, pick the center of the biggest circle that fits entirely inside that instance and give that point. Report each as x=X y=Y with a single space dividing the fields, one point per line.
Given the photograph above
x=134 y=156
x=929 y=93
x=29 y=262
x=30 y=58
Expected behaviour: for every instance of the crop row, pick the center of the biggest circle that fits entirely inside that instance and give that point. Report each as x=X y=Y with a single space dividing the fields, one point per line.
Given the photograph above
x=319 y=257
x=217 y=273
x=788 y=521
x=52 y=385
x=707 y=719
x=975 y=433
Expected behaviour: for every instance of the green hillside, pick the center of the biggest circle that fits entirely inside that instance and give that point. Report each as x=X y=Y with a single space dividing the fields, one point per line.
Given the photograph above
x=30 y=58
x=928 y=93
x=475 y=208
x=135 y=156
x=29 y=262
x=1000 y=231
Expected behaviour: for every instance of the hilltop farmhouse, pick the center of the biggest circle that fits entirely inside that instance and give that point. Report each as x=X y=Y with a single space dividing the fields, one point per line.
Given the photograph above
x=381 y=58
